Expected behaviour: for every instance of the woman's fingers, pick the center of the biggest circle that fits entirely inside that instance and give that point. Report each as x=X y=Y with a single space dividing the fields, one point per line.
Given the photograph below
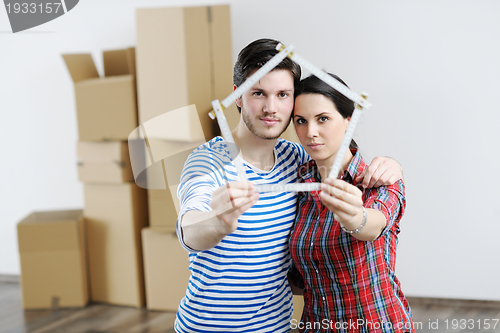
x=341 y=198
x=338 y=205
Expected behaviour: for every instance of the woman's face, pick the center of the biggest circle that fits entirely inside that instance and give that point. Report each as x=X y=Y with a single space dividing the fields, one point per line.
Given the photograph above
x=319 y=126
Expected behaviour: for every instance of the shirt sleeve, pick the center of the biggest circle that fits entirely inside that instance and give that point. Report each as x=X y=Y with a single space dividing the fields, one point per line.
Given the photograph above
x=391 y=201
x=203 y=172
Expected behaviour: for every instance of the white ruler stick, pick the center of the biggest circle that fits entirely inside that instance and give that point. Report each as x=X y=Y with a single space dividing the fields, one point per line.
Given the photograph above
x=302 y=187
x=337 y=164
x=360 y=100
x=226 y=133
x=321 y=74
x=259 y=74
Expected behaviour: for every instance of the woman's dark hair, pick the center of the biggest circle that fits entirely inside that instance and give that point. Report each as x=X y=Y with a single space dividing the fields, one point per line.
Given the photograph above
x=314 y=85
x=255 y=55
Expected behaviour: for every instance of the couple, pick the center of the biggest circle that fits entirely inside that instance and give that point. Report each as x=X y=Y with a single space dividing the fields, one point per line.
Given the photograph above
x=342 y=240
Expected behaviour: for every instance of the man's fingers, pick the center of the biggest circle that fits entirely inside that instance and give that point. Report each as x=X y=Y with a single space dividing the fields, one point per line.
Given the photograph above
x=232 y=191
x=382 y=171
x=359 y=178
x=233 y=210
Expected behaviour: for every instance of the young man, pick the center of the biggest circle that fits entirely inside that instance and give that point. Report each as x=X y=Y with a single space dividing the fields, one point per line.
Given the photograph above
x=238 y=239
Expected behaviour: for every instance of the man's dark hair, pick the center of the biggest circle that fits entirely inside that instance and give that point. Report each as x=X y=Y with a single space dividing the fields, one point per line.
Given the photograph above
x=255 y=55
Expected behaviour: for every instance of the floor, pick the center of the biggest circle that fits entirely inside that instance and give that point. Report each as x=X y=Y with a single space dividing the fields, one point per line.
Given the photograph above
x=429 y=316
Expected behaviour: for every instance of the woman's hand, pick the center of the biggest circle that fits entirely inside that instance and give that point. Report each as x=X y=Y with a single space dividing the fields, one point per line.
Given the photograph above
x=344 y=200
x=381 y=171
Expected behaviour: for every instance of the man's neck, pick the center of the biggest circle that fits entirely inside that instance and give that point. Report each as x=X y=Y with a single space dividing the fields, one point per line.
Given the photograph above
x=254 y=150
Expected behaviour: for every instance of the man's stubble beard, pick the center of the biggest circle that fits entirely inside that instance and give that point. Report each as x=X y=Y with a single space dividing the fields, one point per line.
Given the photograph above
x=251 y=127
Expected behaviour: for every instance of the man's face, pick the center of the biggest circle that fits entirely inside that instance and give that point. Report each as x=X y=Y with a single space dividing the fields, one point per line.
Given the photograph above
x=267 y=106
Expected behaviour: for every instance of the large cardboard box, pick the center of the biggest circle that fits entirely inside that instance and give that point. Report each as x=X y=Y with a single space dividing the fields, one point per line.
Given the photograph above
x=298 y=306
x=162 y=208
x=183 y=58
x=106 y=107
x=104 y=162
x=115 y=215
x=166 y=160
x=157 y=166
x=166 y=268
x=53 y=260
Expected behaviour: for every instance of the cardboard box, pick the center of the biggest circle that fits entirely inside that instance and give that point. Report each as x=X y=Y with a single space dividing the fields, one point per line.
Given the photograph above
x=53 y=260
x=162 y=206
x=115 y=215
x=104 y=162
x=298 y=306
x=166 y=268
x=183 y=58
x=157 y=167
x=223 y=60
x=106 y=107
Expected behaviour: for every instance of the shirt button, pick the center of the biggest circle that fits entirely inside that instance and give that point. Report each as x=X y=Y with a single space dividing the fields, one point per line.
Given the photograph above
x=323 y=298
x=312 y=243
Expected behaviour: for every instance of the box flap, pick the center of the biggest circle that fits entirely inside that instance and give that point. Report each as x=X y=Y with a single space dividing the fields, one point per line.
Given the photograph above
x=119 y=62
x=49 y=231
x=80 y=66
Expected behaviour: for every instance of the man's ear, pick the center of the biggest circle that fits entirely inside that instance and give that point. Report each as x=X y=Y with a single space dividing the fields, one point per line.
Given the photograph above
x=238 y=100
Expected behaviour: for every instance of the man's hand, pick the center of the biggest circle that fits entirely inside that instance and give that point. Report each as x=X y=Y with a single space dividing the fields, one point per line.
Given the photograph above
x=230 y=201
x=204 y=230
x=381 y=171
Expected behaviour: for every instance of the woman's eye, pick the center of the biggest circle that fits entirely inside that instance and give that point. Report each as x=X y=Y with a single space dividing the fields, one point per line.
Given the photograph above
x=257 y=93
x=300 y=121
x=323 y=119
x=283 y=94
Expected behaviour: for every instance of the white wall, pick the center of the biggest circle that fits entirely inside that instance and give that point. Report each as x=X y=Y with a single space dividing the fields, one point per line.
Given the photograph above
x=430 y=66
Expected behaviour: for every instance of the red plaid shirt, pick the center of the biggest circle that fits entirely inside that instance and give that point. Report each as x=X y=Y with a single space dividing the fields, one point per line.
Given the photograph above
x=349 y=285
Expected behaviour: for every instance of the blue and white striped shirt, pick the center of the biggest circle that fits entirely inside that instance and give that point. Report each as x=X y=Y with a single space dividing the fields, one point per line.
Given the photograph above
x=241 y=284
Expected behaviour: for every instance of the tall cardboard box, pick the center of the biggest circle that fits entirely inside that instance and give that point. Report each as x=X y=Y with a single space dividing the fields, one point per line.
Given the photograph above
x=53 y=260
x=166 y=268
x=183 y=57
x=115 y=215
x=106 y=107
x=298 y=306
x=165 y=160
x=104 y=162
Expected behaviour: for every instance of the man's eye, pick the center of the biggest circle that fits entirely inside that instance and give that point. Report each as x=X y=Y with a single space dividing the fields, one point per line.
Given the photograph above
x=257 y=93
x=283 y=94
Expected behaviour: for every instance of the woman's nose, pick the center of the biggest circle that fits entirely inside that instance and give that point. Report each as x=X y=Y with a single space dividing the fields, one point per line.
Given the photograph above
x=312 y=131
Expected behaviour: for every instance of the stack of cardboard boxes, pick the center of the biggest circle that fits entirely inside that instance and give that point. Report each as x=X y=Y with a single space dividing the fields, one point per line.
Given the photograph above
x=115 y=207
x=184 y=61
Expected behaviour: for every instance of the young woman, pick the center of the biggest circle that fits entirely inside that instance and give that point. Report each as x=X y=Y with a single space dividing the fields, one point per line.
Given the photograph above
x=344 y=239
